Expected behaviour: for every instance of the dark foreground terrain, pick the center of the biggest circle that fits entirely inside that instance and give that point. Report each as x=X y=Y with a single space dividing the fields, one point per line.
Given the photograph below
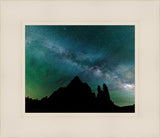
x=77 y=97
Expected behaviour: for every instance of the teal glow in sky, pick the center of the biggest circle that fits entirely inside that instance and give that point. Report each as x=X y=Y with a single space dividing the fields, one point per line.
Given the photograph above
x=97 y=54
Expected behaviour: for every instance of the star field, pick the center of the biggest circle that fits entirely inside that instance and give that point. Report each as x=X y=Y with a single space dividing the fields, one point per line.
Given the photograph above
x=97 y=54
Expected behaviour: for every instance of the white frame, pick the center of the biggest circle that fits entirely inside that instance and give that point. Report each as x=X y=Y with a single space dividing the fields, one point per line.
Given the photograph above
x=84 y=125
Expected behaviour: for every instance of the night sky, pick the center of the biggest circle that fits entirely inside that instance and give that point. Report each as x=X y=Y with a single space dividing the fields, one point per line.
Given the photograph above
x=54 y=55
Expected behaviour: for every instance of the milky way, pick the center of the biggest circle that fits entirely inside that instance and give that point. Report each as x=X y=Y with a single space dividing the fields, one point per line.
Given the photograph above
x=97 y=54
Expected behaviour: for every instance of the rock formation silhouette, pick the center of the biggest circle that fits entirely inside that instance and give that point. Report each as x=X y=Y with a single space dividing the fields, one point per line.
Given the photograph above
x=76 y=97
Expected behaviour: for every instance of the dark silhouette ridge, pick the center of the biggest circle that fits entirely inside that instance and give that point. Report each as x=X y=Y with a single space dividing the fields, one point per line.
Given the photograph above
x=76 y=97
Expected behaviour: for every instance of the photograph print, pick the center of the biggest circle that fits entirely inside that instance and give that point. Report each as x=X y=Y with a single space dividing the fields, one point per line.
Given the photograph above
x=79 y=69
